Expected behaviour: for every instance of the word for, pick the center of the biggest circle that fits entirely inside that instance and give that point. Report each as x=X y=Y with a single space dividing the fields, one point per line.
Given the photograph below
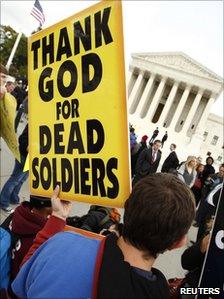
x=67 y=109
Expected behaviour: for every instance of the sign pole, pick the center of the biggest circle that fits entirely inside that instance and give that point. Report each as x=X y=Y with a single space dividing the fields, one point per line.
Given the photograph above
x=9 y=62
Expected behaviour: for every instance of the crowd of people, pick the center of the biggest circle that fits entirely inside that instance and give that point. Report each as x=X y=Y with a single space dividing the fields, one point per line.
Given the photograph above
x=46 y=253
x=205 y=186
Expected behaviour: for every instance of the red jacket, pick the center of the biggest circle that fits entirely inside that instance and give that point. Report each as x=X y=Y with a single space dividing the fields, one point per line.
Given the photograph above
x=54 y=225
x=25 y=225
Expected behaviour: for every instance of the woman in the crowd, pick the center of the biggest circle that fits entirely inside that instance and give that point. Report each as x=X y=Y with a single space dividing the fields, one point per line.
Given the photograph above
x=187 y=172
x=198 y=184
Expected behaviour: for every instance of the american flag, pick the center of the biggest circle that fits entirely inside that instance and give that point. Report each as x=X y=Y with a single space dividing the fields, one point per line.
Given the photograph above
x=37 y=12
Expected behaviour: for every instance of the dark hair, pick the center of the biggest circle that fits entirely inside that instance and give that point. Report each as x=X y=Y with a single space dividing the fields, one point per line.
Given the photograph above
x=210 y=158
x=174 y=145
x=158 y=213
x=156 y=141
x=40 y=202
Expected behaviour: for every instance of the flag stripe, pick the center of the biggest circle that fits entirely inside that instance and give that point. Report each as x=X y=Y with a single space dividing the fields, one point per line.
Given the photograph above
x=37 y=12
x=37 y=15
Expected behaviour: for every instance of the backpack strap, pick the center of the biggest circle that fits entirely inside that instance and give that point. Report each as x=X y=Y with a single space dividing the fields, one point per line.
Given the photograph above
x=104 y=220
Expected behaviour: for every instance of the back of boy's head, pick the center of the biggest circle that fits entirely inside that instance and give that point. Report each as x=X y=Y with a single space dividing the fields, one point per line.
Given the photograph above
x=158 y=213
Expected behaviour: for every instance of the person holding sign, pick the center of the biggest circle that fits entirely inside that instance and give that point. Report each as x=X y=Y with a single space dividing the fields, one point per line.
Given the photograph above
x=70 y=265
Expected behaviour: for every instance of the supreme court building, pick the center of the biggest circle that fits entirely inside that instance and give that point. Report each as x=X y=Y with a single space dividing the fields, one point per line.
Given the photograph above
x=175 y=93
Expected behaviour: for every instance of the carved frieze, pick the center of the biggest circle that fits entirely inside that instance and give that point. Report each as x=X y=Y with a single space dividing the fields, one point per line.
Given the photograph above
x=180 y=62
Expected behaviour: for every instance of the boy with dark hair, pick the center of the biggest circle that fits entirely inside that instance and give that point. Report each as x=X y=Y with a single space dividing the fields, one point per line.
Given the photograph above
x=157 y=217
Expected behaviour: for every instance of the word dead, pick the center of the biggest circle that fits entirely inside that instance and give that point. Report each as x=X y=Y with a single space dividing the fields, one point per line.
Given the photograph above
x=90 y=176
x=75 y=139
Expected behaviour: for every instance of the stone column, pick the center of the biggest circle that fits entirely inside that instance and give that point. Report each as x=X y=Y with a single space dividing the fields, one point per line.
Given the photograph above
x=135 y=92
x=180 y=107
x=155 y=101
x=201 y=123
x=129 y=80
x=192 y=111
x=146 y=93
x=168 y=103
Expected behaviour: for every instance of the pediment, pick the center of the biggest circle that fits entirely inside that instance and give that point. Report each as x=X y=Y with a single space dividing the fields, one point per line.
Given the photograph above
x=179 y=61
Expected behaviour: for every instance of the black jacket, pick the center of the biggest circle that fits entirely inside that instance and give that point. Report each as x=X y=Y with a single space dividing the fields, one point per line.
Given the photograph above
x=119 y=280
x=23 y=142
x=144 y=165
x=171 y=162
x=208 y=170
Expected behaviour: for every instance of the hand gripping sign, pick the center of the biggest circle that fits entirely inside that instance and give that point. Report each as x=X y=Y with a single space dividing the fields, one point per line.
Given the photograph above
x=77 y=115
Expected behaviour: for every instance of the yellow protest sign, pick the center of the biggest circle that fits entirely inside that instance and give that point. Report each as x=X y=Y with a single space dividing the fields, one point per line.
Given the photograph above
x=7 y=119
x=77 y=111
x=26 y=166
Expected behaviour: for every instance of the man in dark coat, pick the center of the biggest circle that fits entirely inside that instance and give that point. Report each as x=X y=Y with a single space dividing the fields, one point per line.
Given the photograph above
x=154 y=135
x=164 y=138
x=148 y=161
x=134 y=156
x=171 y=161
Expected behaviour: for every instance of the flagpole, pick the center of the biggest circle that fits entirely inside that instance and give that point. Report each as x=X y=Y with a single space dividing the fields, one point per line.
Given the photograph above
x=9 y=62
